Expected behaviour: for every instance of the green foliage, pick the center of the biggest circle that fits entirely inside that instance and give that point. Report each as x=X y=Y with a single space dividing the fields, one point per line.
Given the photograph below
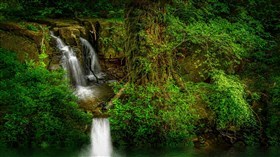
x=29 y=26
x=134 y=121
x=108 y=9
x=226 y=98
x=197 y=10
x=32 y=28
x=40 y=109
x=264 y=12
x=143 y=118
x=7 y=8
x=3 y=6
x=34 y=9
x=213 y=37
x=178 y=115
x=115 y=38
x=252 y=136
x=220 y=44
x=273 y=130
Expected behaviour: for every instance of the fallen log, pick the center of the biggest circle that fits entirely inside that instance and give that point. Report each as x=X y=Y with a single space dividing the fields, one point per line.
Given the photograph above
x=117 y=96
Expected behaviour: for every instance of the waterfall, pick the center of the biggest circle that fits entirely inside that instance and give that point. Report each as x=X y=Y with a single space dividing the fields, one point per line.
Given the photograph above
x=70 y=63
x=101 y=145
x=91 y=61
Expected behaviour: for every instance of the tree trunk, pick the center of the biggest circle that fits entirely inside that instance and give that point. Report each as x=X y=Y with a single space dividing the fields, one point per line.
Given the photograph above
x=148 y=58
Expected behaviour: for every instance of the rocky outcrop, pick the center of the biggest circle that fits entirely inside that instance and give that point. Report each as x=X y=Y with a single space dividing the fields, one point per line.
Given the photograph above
x=106 y=36
x=27 y=39
x=16 y=37
x=24 y=47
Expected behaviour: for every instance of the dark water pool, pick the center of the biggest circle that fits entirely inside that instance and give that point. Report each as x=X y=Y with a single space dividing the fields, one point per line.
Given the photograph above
x=162 y=152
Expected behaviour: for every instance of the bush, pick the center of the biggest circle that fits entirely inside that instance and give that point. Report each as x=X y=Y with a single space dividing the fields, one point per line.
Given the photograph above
x=226 y=97
x=143 y=117
x=40 y=108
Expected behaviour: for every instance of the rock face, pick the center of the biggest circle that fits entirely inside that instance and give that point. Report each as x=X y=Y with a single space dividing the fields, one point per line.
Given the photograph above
x=20 y=44
x=26 y=42
x=27 y=39
x=106 y=36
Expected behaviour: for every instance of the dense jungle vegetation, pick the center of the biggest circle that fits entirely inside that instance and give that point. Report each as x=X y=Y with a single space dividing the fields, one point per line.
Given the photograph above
x=195 y=68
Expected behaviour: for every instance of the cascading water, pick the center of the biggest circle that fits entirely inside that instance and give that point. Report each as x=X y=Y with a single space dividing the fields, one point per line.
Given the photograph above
x=70 y=63
x=101 y=145
x=91 y=61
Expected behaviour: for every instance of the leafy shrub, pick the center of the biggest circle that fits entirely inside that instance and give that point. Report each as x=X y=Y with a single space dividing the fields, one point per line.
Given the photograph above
x=226 y=98
x=141 y=117
x=40 y=109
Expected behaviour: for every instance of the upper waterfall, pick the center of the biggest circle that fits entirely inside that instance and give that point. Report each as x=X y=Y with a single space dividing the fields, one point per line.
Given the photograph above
x=92 y=65
x=70 y=62
x=78 y=74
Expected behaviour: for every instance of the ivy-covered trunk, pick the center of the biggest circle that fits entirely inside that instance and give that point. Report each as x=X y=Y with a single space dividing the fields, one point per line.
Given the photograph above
x=149 y=59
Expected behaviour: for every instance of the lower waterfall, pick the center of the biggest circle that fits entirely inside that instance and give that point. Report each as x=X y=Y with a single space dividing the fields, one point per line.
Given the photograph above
x=101 y=145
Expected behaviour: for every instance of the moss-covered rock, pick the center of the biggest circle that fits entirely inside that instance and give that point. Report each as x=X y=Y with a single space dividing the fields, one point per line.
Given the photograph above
x=27 y=39
x=24 y=47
